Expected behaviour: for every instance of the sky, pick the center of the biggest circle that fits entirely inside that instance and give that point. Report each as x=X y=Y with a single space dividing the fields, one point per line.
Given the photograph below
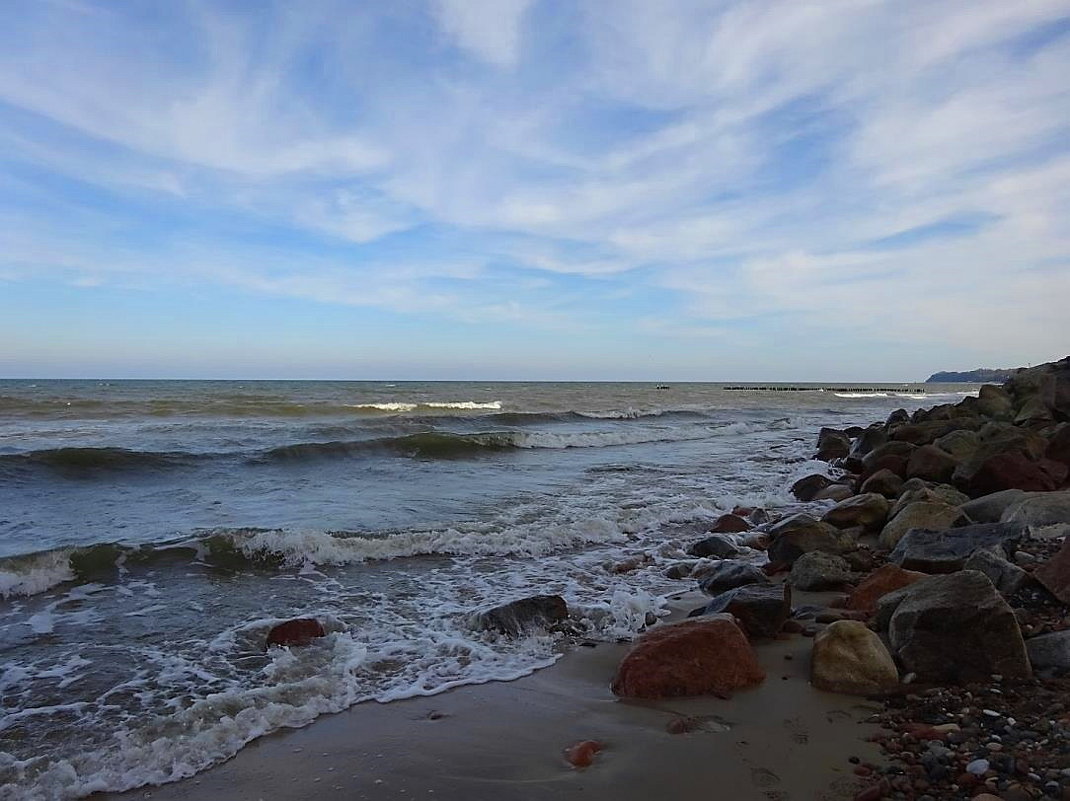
x=722 y=190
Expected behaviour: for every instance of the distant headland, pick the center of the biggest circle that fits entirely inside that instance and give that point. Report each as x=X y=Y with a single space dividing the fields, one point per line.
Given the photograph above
x=984 y=375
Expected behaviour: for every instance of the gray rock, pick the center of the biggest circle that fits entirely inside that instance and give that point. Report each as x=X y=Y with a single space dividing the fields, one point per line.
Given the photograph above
x=760 y=608
x=717 y=547
x=995 y=402
x=517 y=617
x=817 y=570
x=990 y=508
x=922 y=514
x=946 y=551
x=807 y=487
x=957 y=628
x=916 y=490
x=1050 y=650
x=960 y=444
x=883 y=482
x=832 y=444
x=834 y=492
x=1039 y=509
x=931 y=464
x=728 y=574
x=1007 y=577
x=798 y=534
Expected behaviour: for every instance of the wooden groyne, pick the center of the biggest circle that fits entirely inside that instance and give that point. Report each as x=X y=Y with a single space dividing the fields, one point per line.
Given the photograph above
x=787 y=388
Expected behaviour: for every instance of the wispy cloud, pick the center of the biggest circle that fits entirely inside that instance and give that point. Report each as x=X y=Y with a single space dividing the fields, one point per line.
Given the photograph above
x=872 y=174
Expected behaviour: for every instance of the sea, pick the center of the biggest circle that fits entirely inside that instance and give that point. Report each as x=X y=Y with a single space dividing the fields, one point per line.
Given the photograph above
x=152 y=532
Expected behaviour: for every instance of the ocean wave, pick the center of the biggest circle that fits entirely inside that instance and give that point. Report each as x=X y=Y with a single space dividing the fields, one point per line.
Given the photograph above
x=84 y=461
x=396 y=406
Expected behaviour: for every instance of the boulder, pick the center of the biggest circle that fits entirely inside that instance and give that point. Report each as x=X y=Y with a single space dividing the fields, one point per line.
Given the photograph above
x=961 y=444
x=933 y=516
x=869 y=511
x=957 y=628
x=849 y=658
x=1050 y=650
x=832 y=444
x=1055 y=573
x=883 y=482
x=990 y=508
x=925 y=433
x=1042 y=509
x=729 y=573
x=995 y=402
x=834 y=492
x=887 y=456
x=1058 y=449
x=695 y=657
x=915 y=490
x=879 y=583
x=946 y=550
x=761 y=609
x=729 y=524
x=1015 y=470
x=931 y=464
x=517 y=617
x=798 y=534
x=1005 y=576
x=299 y=631
x=867 y=441
x=716 y=547
x=817 y=570
x=807 y=487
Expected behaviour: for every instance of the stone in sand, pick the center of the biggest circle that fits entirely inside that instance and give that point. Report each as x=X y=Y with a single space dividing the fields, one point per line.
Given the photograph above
x=761 y=609
x=581 y=754
x=933 y=516
x=728 y=574
x=1006 y=576
x=695 y=657
x=1050 y=650
x=957 y=628
x=1041 y=509
x=800 y=533
x=300 y=631
x=867 y=511
x=517 y=617
x=849 y=658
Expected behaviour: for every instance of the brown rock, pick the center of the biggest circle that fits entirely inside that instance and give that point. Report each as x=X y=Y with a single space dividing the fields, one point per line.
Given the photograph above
x=932 y=516
x=832 y=444
x=1058 y=449
x=868 y=511
x=581 y=754
x=1055 y=573
x=931 y=464
x=834 y=492
x=995 y=402
x=700 y=657
x=730 y=523
x=1015 y=470
x=516 y=617
x=806 y=488
x=881 y=582
x=793 y=536
x=300 y=631
x=849 y=658
x=883 y=482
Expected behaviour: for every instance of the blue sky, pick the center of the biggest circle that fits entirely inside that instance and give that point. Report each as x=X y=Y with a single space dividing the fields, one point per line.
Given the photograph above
x=533 y=189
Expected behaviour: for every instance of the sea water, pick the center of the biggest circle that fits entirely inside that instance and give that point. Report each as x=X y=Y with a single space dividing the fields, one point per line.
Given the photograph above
x=152 y=532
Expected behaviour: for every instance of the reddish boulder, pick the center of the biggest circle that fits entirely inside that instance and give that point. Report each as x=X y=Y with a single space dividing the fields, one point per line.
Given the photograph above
x=1015 y=470
x=695 y=657
x=730 y=524
x=1055 y=573
x=879 y=583
x=300 y=631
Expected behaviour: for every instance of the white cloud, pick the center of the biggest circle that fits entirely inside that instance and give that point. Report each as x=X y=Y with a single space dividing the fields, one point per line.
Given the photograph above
x=491 y=31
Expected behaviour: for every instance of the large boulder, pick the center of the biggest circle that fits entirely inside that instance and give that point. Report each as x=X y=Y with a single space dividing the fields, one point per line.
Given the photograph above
x=889 y=456
x=832 y=444
x=990 y=508
x=879 y=583
x=933 y=516
x=945 y=551
x=1050 y=650
x=807 y=487
x=716 y=547
x=798 y=534
x=961 y=444
x=1042 y=509
x=957 y=628
x=868 y=511
x=1058 y=449
x=730 y=524
x=836 y=491
x=883 y=482
x=817 y=570
x=729 y=573
x=1015 y=470
x=995 y=402
x=915 y=490
x=761 y=609
x=849 y=658
x=1055 y=573
x=695 y=657
x=517 y=617
x=299 y=631
x=930 y=463
x=1005 y=576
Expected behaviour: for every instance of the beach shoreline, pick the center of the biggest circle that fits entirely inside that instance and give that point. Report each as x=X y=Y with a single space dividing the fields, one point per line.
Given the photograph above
x=505 y=740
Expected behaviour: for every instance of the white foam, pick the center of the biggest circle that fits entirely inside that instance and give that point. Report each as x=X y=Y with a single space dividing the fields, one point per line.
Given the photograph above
x=493 y=405
x=397 y=406
x=36 y=573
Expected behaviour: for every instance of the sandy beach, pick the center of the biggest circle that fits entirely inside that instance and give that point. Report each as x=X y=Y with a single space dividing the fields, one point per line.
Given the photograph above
x=504 y=740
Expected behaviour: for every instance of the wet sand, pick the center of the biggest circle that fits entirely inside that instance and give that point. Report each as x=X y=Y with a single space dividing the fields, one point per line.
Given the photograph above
x=504 y=740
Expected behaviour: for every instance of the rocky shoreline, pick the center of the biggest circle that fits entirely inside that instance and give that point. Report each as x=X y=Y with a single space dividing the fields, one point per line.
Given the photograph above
x=937 y=585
